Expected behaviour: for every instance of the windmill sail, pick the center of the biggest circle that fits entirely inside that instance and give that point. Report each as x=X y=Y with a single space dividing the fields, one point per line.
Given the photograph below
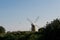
x=33 y=26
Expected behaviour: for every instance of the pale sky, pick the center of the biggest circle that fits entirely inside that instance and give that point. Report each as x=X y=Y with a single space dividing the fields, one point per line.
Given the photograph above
x=14 y=13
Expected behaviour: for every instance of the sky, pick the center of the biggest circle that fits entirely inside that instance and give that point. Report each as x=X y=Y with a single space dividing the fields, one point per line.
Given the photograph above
x=14 y=13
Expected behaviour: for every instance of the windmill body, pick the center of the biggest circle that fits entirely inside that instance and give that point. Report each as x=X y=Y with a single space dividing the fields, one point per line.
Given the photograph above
x=33 y=28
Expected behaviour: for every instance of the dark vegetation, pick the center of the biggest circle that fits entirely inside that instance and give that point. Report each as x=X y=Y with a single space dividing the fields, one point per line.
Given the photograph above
x=50 y=32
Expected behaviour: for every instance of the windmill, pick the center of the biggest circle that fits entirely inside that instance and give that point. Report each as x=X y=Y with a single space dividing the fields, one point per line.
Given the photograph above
x=33 y=25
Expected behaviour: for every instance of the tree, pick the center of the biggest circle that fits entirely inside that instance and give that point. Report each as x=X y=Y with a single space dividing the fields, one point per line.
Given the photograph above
x=42 y=30
x=53 y=30
x=2 y=29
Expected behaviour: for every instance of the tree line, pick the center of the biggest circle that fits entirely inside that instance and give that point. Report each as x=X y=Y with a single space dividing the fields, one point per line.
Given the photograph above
x=49 y=32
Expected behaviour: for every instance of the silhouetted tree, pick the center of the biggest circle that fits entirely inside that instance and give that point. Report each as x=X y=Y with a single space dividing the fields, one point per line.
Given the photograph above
x=2 y=29
x=53 y=30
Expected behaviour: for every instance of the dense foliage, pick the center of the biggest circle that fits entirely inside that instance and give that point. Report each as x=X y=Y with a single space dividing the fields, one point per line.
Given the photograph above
x=50 y=32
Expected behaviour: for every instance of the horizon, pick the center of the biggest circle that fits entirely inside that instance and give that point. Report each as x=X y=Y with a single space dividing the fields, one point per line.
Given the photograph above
x=14 y=13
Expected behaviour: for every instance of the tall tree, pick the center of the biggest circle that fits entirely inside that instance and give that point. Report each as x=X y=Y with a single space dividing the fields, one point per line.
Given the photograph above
x=53 y=30
x=2 y=29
